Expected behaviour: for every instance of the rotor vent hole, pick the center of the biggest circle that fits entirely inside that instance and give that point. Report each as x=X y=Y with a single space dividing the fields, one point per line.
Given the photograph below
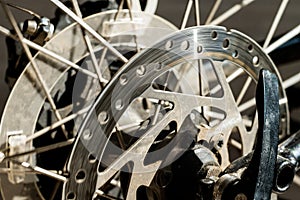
x=250 y=47
x=123 y=79
x=199 y=49
x=235 y=54
x=169 y=45
x=185 y=45
x=71 y=196
x=87 y=134
x=103 y=117
x=255 y=61
x=92 y=158
x=226 y=44
x=119 y=104
x=80 y=176
x=214 y=35
x=141 y=70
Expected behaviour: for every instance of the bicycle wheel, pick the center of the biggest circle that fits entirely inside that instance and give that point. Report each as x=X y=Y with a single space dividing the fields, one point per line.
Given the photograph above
x=244 y=100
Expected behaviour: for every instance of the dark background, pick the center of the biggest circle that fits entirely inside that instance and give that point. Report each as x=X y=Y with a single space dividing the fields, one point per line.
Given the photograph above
x=254 y=20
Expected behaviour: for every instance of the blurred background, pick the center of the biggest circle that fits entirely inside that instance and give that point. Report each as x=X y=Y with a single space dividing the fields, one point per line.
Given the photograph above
x=254 y=20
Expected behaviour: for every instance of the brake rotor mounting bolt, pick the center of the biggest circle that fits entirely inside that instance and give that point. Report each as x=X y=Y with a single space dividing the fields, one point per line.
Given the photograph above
x=240 y=196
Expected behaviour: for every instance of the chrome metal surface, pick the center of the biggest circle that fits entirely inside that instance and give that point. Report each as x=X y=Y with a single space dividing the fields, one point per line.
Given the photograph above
x=55 y=62
x=173 y=92
x=204 y=61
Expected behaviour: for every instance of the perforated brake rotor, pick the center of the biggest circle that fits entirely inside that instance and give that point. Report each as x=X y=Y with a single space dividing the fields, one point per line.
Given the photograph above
x=27 y=100
x=188 y=78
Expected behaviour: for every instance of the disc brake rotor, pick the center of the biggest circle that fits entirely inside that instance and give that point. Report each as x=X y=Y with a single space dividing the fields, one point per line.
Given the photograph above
x=25 y=99
x=182 y=92
x=28 y=102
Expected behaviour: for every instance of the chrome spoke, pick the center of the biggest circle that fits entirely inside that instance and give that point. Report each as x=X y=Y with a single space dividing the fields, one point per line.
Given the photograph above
x=88 y=43
x=89 y=29
x=188 y=11
x=230 y=78
x=33 y=63
x=212 y=111
x=41 y=149
x=47 y=52
x=230 y=12
x=186 y=14
x=40 y=170
x=197 y=13
x=276 y=21
x=8 y=170
x=283 y=39
x=291 y=81
x=235 y=143
x=213 y=11
x=244 y=90
x=56 y=124
x=24 y=10
x=250 y=103
x=102 y=194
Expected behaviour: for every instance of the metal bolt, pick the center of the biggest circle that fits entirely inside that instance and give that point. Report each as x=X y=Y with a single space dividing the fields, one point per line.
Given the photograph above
x=240 y=196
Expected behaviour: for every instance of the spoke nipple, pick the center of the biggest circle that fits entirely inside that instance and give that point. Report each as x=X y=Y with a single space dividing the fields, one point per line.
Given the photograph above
x=2 y=156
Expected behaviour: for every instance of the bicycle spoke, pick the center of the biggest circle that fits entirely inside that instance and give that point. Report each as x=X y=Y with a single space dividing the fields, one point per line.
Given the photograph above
x=186 y=14
x=235 y=143
x=291 y=81
x=243 y=91
x=188 y=11
x=24 y=10
x=233 y=10
x=230 y=78
x=48 y=53
x=42 y=171
x=88 y=43
x=213 y=11
x=41 y=149
x=210 y=114
x=197 y=13
x=56 y=124
x=33 y=63
x=55 y=190
x=89 y=29
x=283 y=39
x=8 y=170
x=276 y=21
x=102 y=194
x=250 y=103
